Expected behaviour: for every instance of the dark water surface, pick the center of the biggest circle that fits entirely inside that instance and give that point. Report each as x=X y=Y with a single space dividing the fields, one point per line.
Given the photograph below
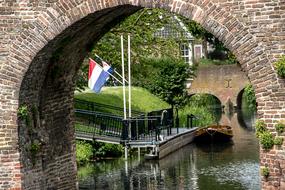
x=228 y=166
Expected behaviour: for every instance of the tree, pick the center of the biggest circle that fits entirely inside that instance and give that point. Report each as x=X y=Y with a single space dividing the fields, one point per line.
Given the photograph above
x=169 y=83
x=141 y=25
x=166 y=78
x=199 y=32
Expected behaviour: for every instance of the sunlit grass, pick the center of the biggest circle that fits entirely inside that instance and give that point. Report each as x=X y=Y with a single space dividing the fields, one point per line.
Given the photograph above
x=142 y=100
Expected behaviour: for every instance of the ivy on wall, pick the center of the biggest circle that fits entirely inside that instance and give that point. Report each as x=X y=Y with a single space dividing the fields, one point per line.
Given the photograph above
x=28 y=116
x=280 y=66
x=267 y=140
x=265 y=171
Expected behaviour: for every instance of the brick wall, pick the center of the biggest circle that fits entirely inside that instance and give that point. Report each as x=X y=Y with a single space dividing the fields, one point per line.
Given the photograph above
x=43 y=42
x=223 y=81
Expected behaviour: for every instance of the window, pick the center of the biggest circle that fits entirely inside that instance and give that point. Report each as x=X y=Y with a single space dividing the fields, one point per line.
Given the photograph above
x=186 y=52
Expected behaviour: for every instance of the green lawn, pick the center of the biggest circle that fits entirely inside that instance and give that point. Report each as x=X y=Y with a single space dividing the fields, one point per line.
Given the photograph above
x=142 y=100
x=204 y=61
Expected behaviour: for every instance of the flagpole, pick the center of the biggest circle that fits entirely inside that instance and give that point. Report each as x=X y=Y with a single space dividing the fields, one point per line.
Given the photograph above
x=123 y=75
x=129 y=72
x=124 y=91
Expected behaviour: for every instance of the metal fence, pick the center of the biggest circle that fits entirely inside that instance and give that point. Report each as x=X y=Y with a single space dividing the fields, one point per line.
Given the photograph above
x=91 y=122
x=98 y=107
x=143 y=127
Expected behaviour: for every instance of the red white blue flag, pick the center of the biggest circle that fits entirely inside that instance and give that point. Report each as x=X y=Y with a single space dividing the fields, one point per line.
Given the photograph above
x=97 y=76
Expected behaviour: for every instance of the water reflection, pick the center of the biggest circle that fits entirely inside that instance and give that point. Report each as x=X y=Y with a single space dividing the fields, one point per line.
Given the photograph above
x=226 y=166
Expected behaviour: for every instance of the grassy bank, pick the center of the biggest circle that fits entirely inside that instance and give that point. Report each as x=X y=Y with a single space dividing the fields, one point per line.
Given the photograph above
x=142 y=100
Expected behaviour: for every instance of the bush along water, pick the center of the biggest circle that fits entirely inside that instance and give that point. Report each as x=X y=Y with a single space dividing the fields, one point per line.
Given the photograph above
x=86 y=151
x=103 y=150
x=204 y=116
x=205 y=107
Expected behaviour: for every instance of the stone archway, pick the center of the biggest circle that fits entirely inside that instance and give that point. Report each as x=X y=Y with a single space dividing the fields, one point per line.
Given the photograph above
x=33 y=73
x=239 y=99
x=223 y=81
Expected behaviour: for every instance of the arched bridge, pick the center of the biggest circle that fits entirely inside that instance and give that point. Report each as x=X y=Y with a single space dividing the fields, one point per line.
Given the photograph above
x=34 y=77
x=223 y=81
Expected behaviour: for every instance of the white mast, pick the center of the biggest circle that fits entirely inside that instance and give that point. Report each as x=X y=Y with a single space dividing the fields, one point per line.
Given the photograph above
x=123 y=75
x=129 y=72
x=124 y=92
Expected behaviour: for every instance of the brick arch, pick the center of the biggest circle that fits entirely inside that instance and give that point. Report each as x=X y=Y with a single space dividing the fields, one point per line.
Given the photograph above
x=224 y=100
x=47 y=31
x=207 y=93
x=221 y=23
x=239 y=98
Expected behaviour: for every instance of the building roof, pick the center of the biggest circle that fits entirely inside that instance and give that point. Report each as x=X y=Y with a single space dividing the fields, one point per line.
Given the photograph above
x=176 y=29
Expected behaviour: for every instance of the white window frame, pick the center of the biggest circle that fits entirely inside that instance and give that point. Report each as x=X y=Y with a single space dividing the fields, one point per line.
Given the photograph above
x=186 y=52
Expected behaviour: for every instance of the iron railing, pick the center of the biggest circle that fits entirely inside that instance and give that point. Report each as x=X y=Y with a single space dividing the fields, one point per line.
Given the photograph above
x=92 y=123
x=144 y=127
x=99 y=107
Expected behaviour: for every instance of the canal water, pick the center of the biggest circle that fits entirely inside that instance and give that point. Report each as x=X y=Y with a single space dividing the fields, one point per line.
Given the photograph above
x=230 y=166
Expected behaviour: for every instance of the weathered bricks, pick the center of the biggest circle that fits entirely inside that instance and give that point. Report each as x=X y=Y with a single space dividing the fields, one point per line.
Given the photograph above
x=32 y=32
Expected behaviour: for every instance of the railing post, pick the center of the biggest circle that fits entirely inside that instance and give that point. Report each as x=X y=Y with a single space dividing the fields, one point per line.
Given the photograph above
x=177 y=120
x=94 y=124
x=187 y=123
x=137 y=129
x=191 y=120
x=125 y=130
x=172 y=121
x=156 y=133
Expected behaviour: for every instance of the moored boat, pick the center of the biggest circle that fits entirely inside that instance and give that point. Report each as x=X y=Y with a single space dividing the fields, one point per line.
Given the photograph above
x=150 y=156
x=214 y=133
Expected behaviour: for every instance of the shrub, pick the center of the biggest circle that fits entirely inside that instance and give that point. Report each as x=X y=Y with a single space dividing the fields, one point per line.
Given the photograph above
x=84 y=152
x=266 y=140
x=204 y=116
x=278 y=141
x=108 y=150
x=164 y=77
x=280 y=66
x=265 y=171
x=280 y=127
x=260 y=127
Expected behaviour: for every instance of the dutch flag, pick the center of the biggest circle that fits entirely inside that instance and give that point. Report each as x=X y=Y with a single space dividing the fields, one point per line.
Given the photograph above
x=97 y=76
